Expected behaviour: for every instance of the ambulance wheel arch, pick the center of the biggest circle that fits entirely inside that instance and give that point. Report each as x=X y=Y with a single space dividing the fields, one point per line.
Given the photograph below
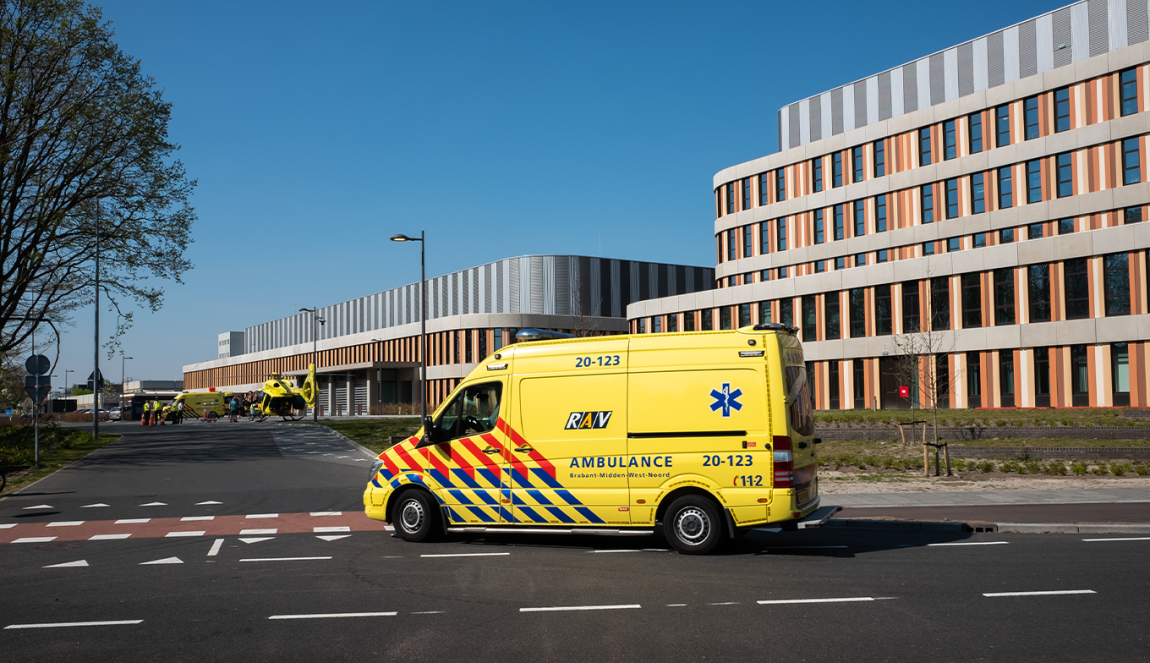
x=693 y=521
x=415 y=514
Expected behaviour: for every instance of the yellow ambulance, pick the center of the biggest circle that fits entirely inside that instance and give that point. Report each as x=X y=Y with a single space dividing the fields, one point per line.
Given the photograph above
x=194 y=403
x=705 y=433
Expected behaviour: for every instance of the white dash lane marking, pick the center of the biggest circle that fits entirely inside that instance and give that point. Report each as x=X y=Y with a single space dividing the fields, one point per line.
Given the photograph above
x=807 y=547
x=257 y=539
x=282 y=559
x=327 y=513
x=1057 y=592
x=332 y=537
x=108 y=537
x=171 y=535
x=320 y=530
x=35 y=539
x=725 y=603
x=155 y=504
x=7 y=525
x=38 y=506
x=257 y=532
x=613 y=551
x=207 y=503
x=335 y=615
x=132 y=521
x=631 y=606
x=166 y=560
x=676 y=605
x=493 y=554
x=188 y=519
x=94 y=506
x=67 y=624
x=969 y=543
x=849 y=599
x=1129 y=538
x=263 y=515
x=215 y=550
x=429 y=612
x=68 y=565
x=66 y=523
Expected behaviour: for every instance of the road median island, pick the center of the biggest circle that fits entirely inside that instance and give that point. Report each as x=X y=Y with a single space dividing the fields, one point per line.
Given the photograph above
x=376 y=435
x=59 y=447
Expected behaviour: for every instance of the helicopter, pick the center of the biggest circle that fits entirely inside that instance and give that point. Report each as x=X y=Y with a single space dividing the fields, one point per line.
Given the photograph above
x=279 y=399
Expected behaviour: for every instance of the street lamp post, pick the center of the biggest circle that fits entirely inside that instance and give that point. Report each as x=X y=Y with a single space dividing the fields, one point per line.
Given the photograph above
x=123 y=383
x=316 y=321
x=400 y=237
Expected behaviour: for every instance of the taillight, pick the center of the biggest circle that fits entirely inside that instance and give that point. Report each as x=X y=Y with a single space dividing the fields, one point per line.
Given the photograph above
x=784 y=463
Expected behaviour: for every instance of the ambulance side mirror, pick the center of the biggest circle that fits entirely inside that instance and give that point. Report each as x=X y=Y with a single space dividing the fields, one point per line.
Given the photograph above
x=433 y=434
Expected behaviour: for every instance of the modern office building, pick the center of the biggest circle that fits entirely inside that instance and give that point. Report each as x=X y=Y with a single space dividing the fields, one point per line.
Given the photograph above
x=368 y=348
x=994 y=192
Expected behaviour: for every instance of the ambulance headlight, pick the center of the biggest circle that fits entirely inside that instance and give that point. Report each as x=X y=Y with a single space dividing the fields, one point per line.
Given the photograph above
x=375 y=465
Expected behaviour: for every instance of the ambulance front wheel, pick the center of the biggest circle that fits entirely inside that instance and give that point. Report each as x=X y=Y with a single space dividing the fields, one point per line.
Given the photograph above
x=414 y=516
x=693 y=525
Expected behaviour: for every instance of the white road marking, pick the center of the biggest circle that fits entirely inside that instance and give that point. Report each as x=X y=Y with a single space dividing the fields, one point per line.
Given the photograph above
x=282 y=559
x=429 y=612
x=335 y=615
x=66 y=523
x=65 y=624
x=726 y=603
x=469 y=554
x=171 y=535
x=676 y=605
x=258 y=539
x=7 y=525
x=166 y=560
x=108 y=537
x=327 y=513
x=38 y=506
x=632 y=606
x=613 y=551
x=263 y=515
x=807 y=547
x=207 y=503
x=256 y=532
x=132 y=521
x=1129 y=538
x=94 y=506
x=850 y=599
x=318 y=530
x=332 y=537
x=188 y=519
x=68 y=565
x=215 y=550
x=970 y=543
x=154 y=504
x=1057 y=592
x=35 y=539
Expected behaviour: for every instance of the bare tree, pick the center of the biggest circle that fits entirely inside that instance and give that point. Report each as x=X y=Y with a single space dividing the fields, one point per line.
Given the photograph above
x=585 y=323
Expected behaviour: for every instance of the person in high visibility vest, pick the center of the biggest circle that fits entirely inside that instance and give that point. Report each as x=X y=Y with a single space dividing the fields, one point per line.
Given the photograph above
x=145 y=413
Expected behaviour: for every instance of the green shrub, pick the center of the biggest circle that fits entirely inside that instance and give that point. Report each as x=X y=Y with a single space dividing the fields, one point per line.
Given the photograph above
x=1010 y=466
x=1100 y=470
x=1142 y=470
x=1120 y=468
x=959 y=464
x=868 y=461
x=888 y=462
x=1055 y=467
x=985 y=466
x=1078 y=468
x=1033 y=466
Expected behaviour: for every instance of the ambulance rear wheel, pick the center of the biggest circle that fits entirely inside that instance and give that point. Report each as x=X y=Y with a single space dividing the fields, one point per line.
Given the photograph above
x=415 y=516
x=693 y=525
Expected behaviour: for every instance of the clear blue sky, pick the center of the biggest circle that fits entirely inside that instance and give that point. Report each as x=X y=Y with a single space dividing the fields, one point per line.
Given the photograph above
x=318 y=130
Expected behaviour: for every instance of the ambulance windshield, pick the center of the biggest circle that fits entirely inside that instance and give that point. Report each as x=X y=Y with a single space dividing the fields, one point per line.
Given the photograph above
x=473 y=412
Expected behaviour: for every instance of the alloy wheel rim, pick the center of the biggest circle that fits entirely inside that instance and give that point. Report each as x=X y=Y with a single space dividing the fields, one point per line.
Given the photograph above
x=692 y=526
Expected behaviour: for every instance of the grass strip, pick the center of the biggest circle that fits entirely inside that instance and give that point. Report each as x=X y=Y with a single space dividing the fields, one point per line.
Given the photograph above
x=59 y=447
x=375 y=434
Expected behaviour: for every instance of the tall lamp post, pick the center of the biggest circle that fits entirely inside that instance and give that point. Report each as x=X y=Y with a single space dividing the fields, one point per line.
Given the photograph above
x=400 y=237
x=316 y=321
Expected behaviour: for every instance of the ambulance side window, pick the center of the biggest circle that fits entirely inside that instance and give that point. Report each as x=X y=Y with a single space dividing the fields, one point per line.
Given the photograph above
x=473 y=412
x=799 y=395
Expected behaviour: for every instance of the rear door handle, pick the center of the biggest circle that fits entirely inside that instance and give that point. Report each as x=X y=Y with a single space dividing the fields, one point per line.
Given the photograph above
x=490 y=450
x=523 y=449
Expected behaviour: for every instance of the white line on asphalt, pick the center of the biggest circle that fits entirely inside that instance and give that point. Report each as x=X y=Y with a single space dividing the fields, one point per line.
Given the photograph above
x=257 y=532
x=263 y=515
x=327 y=513
x=166 y=560
x=255 y=539
x=108 y=537
x=614 y=551
x=188 y=519
x=1048 y=593
x=429 y=612
x=155 y=504
x=68 y=565
x=35 y=539
x=7 y=525
x=320 y=530
x=631 y=606
x=1129 y=538
x=676 y=605
x=38 y=506
x=656 y=550
x=207 y=503
x=216 y=548
x=175 y=534
x=132 y=521
x=66 y=523
x=335 y=615
x=65 y=624
x=332 y=537
x=726 y=603
x=94 y=506
x=850 y=599
x=969 y=543
x=469 y=554
x=807 y=547
x=282 y=559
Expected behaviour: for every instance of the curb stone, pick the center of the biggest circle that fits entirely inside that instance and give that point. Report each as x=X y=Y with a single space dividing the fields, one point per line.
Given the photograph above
x=977 y=526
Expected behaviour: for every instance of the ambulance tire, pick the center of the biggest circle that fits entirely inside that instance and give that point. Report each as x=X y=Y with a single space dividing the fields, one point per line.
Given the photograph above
x=693 y=525
x=415 y=516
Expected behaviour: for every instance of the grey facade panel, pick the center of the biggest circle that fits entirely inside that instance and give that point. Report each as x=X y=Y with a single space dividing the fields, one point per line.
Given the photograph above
x=1060 y=23
x=793 y=125
x=816 y=118
x=966 y=69
x=836 y=111
x=996 y=64
x=861 y=100
x=1027 y=49
x=884 y=98
x=1099 y=27
x=1136 y=24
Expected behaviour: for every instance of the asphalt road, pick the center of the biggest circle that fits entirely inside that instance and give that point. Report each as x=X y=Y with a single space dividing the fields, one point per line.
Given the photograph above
x=272 y=559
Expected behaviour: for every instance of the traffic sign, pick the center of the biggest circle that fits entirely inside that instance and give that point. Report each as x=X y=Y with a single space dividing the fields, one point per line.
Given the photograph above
x=37 y=380
x=37 y=394
x=38 y=365
x=99 y=382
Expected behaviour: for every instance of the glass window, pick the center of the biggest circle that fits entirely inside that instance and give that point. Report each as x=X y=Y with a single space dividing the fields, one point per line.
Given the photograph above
x=858 y=312
x=782 y=272
x=979 y=240
x=1002 y=125
x=780 y=184
x=1042 y=376
x=910 y=310
x=974 y=379
x=1035 y=230
x=971 y=301
x=832 y=315
x=689 y=321
x=673 y=323
x=657 y=324
x=820 y=266
x=882 y=310
x=879 y=158
x=1004 y=296
x=1062 y=109
x=1065 y=226
x=498 y=338
x=859 y=384
x=976 y=133
x=833 y=384
x=765 y=275
x=859 y=218
x=1005 y=188
x=928 y=248
x=1116 y=274
x=840 y=231
x=724 y=317
x=837 y=169
x=1006 y=377
x=949 y=146
x=1006 y=236
x=817 y=174
x=880 y=213
x=1120 y=370
x=1079 y=375
x=708 y=320
x=952 y=199
x=744 y=315
x=924 y=146
x=860 y=260
x=857 y=164
x=472 y=412
x=927 y=203
x=730 y=197
x=748 y=241
x=732 y=244
x=840 y=264
x=953 y=244
x=1065 y=176
x=881 y=255
x=1034 y=181
x=1038 y=292
x=1030 y=108
x=810 y=318
x=820 y=227
x=940 y=303
x=764 y=239
x=787 y=312
x=1132 y=215
x=977 y=194
x=764 y=189
x=1129 y=85
x=781 y=231
x=1131 y=166
x=764 y=312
